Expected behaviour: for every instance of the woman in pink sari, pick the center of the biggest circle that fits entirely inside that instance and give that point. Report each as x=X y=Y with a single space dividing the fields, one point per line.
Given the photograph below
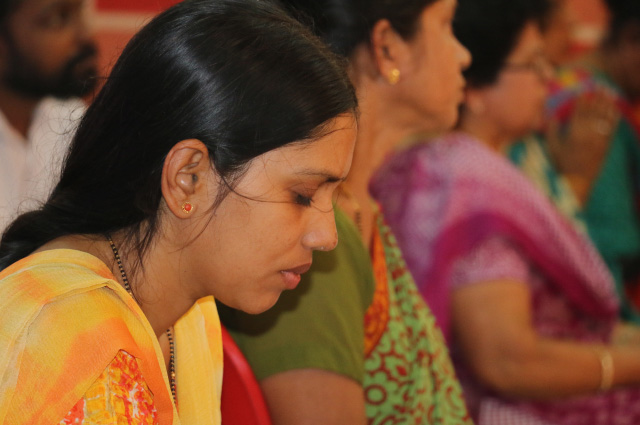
x=528 y=306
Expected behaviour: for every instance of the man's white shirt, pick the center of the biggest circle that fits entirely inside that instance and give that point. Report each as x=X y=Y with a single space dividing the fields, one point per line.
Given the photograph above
x=29 y=169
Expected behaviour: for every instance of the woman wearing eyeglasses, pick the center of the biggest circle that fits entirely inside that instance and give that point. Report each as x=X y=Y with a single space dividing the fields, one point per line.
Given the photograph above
x=527 y=304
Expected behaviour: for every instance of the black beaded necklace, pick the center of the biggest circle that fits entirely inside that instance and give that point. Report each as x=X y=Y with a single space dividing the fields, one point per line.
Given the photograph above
x=172 y=348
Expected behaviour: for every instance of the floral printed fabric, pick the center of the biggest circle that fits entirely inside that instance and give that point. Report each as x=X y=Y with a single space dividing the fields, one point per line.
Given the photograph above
x=409 y=377
x=119 y=396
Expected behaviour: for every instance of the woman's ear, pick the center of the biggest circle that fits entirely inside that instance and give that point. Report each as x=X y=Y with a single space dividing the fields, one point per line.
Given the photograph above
x=184 y=177
x=389 y=51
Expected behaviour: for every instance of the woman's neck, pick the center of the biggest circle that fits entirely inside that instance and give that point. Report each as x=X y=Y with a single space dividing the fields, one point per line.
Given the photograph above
x=157 y=283
x=380 y=130
x=484 y=131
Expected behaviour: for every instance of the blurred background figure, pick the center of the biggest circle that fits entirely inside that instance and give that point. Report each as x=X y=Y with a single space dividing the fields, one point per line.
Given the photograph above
x=47 y=61
x=587 y=158
x=357 y=344
x=529 y=306
x=558 y=32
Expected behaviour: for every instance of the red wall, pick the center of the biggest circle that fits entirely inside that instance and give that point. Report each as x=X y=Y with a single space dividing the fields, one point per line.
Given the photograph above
x=134 y=5
x=118 y=20
x=115 y=21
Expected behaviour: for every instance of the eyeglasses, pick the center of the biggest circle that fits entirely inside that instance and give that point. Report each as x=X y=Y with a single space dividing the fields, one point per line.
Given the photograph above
x=540 y=66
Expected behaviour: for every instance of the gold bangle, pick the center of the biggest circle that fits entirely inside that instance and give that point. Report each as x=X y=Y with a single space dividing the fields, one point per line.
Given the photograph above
x=606 y=368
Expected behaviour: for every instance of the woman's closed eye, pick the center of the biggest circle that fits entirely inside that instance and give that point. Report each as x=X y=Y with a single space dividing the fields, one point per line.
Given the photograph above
x=303 y=200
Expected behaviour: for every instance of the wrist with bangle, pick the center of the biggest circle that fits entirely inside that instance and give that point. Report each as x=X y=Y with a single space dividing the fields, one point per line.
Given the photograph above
x=606 y=369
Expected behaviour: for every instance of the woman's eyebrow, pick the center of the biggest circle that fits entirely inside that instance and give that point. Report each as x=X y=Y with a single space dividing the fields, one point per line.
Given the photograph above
x=329 y=177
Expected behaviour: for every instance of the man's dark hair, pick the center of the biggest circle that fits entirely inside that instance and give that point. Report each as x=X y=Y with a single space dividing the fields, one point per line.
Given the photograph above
x=7 y=7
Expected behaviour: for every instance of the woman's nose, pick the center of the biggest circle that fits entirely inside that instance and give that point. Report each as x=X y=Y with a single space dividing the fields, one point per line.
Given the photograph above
x=464 y=56
x=322 y=234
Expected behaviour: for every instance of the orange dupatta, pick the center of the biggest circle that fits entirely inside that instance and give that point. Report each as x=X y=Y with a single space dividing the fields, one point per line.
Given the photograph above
x=64 y=318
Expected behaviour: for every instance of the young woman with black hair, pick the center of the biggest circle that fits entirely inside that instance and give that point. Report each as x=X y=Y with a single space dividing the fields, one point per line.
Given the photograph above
x=357 y=344
x=205 y=166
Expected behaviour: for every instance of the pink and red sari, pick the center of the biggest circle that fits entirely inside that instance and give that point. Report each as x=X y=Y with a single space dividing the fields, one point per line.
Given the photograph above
x=446 y=198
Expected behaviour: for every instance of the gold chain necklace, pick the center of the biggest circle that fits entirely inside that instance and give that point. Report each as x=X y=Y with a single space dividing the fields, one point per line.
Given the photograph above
x=172 y=348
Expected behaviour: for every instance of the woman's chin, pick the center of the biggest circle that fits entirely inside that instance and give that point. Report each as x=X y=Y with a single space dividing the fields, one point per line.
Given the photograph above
x=259 y=306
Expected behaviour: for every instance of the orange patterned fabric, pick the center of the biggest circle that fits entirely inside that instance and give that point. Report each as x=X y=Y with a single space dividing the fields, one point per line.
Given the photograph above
x=119 y=393
x=66 y=323
x=377 y=315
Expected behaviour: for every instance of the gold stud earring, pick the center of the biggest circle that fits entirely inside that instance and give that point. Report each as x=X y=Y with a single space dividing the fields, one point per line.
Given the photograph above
x=187 y=207
x=394 y=76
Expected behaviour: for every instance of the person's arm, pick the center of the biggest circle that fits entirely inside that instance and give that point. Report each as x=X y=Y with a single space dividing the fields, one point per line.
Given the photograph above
x=314 y=397
x=493 y=325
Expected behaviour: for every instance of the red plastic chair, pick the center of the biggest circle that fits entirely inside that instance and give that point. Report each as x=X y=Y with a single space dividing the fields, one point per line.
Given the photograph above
x=242 y=401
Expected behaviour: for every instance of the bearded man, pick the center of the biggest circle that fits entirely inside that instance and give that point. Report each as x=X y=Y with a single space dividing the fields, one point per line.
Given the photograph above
x=47 y=62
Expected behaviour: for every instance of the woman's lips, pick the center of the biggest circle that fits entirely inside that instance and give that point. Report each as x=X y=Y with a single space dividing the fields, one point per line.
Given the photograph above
x=291 y=277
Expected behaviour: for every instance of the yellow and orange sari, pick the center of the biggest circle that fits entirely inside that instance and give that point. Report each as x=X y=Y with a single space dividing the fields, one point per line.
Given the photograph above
x=76 y=348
